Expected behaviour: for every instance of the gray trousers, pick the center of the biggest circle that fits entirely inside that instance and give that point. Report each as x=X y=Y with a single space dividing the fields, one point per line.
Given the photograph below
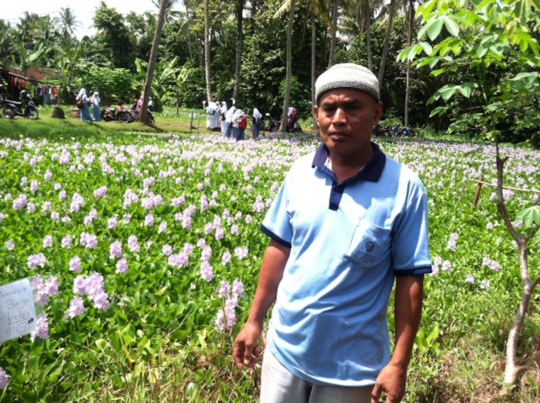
x=278 y=385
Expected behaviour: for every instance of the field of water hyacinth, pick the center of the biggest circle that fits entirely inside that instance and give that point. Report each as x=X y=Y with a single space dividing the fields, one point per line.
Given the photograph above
x=144 y=251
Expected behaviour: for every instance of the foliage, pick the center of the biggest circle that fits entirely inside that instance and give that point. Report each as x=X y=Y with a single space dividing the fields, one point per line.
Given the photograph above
x=494 y=41
x=163 y=316
x=112 y=84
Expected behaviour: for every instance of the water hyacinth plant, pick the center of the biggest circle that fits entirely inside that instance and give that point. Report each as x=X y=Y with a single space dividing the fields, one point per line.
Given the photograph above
x=140 y=246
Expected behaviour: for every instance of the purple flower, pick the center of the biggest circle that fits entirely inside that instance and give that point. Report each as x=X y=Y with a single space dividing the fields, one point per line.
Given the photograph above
x=10 y=245
x=76 y=203
x=489 y=226
x=122 y=266
x=112 y=223
x=240 y=252
x=238 y=288
x=115 y=251
x=469 y=279
x=452 y=242
x=149 y=220
x=20 y=202
x=42 y=328
x=66 y=242
x=75 y=264
x=101 y=301
x=133 y=244
x=259 y=206
x=206 y=253
x=162 y=227
x=47 y=241
x=38 y=260
x=207 y=272
x=51 y=286
x=224 y=289
x=484 y=284
x=34 y=186
x=4 y=378
x=226 y=258
x=179 y=260
x=167 y=250
x=446 y=266
x=101 y=192
x=89 y=240
x=48 y=175
x=76 y=307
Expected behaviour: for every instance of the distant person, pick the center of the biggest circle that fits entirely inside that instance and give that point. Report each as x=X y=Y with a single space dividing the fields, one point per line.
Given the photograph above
x=239 y=124
x=95 y=102
x=256 y=122
x=229 y=120
x=82 y=104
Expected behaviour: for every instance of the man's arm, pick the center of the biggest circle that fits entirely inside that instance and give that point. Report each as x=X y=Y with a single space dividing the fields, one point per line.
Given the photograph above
x=408 y=311
x=272 y=267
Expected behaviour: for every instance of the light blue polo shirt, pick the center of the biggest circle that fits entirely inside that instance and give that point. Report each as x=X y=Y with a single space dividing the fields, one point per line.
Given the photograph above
x=348 y=242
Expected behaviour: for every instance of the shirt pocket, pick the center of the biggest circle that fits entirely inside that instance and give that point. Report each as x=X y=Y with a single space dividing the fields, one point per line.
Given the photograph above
x=368 y=242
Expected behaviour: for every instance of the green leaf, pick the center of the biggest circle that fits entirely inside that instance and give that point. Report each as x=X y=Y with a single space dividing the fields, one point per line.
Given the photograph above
x=434 y=28
x=451 y=26
x=530 y=217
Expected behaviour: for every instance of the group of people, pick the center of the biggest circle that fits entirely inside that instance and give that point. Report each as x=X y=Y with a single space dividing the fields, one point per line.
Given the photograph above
x=84 y=104
x=232 y=121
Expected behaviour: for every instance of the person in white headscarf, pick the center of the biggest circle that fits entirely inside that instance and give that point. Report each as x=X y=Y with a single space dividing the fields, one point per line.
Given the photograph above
x=229 y=119
x=222 y=116
x=212 y=111
x=82 y=99
x=256 y=122
x=239 y=123
x=95 y=101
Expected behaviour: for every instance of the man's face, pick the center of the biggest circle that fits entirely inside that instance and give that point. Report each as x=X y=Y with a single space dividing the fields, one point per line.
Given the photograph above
x=346 y=118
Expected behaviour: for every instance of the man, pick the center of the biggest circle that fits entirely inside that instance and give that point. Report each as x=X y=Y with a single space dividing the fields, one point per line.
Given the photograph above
x=348 y=221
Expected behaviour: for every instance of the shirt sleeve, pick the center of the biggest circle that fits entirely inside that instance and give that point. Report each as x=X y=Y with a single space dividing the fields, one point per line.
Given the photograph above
x=410 y=243
x=276 y=223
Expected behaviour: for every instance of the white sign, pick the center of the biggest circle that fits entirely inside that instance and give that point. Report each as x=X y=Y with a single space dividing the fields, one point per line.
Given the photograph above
x=17 y=310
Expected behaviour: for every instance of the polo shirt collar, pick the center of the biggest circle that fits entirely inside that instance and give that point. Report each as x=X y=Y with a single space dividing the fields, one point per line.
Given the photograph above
x=371 y=172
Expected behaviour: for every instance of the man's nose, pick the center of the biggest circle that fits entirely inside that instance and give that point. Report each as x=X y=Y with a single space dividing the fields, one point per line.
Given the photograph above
x=339 y=116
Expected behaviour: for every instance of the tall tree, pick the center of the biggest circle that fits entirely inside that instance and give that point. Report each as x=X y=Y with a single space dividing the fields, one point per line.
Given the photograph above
x=207 y=60
x=68 y=23
x=291 y=4
x=392 y=11
x=333 y=36
x=164 y=5
x=239 y=45
x=408 y=74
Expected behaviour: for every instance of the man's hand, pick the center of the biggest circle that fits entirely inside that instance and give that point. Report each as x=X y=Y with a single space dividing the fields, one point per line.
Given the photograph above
x=244 y=352
x=391 y=381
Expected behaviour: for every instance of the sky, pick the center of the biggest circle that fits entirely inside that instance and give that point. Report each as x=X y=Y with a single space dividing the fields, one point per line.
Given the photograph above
x=84 y=10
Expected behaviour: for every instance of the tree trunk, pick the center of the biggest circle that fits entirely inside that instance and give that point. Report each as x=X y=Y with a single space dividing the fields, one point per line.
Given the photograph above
x=239 y=44
x=368 y=35
x=334 y=33
x=208 y=76
x=387 y=41
x=143 y=115
x=313 y=62
x=283 y=126
x=511 y=369
x=408 y=77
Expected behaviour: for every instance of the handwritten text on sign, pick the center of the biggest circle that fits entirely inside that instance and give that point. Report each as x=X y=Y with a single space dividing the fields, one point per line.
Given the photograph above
x=17 y=310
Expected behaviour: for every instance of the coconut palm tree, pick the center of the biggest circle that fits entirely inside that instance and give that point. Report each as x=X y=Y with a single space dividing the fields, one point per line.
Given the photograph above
x=287 y=5
x=67 y=23
x=143 y=116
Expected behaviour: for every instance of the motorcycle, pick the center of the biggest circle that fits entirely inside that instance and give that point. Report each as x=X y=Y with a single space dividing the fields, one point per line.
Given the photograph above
x=270 y=125
x=26 y=107
x=133 y=115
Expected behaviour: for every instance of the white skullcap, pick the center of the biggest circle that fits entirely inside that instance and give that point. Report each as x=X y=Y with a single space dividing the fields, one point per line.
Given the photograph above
x=347 y=75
